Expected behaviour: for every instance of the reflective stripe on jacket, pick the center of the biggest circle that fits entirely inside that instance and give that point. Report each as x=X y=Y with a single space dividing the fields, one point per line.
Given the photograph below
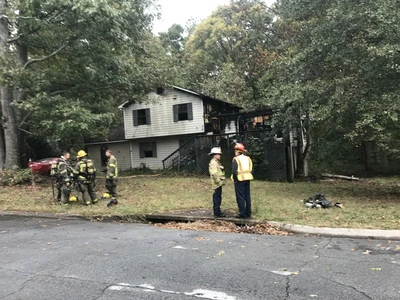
x=217 y=173
x=244 y=167
x=112 y=167
x=63 y=168
x=80 y=169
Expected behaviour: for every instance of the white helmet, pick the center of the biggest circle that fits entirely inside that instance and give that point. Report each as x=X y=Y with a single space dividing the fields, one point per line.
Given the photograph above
x=215 y=150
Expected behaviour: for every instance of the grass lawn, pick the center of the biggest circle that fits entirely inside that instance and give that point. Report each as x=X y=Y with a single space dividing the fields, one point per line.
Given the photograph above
x=372 y=203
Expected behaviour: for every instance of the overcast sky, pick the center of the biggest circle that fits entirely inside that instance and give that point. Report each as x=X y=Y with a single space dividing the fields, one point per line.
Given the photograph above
x=180 y=11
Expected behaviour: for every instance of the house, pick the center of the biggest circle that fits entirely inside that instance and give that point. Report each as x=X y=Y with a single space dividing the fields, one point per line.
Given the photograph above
x=155 y=128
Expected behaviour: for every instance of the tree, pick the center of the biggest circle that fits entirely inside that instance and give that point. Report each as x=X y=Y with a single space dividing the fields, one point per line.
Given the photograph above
x=230 y=51
x=337 y=72
x=67 y=65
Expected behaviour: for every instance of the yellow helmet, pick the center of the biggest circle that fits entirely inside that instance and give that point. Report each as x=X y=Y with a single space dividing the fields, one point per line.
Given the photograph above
x=81 y=153
x=73 y=199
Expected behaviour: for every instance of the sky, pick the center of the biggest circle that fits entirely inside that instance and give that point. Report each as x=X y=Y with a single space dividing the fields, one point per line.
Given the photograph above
x=180 y=11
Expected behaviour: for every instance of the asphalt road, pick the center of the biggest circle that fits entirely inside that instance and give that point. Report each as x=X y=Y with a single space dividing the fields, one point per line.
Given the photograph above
x=76 y=259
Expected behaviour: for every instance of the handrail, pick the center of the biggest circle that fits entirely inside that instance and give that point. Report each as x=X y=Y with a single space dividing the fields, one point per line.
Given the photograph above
x=180 y=148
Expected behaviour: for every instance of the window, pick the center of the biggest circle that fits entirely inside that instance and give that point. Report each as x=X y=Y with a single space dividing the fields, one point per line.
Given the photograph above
x=183 y=112
x=141 y=117
x=148 y=149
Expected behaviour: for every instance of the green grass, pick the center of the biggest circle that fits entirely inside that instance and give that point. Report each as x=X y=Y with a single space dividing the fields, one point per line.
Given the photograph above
x=372 y=203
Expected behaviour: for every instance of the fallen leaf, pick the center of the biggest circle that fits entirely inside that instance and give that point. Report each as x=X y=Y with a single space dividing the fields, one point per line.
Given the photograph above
x=376 y=269
x=200 y=239
x=221 y=252
x=367 y=252
x=397 y=248
x=219 y=241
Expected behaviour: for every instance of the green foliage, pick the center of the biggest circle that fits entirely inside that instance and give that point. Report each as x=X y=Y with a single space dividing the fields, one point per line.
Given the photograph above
x=15 y=176
x=75 y=62
x=230 y=51
x=142 y=170
x=337 y=69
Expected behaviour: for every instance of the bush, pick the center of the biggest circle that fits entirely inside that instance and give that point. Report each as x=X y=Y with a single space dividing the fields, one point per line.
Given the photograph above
x=15 y=176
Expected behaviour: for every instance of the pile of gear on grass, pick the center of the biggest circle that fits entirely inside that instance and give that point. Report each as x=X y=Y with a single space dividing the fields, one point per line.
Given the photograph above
x=319 y=201
x=82 y=178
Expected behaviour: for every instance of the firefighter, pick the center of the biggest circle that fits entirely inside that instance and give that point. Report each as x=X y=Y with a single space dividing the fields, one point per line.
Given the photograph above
x=63 y=179
x=112 y=178
x=85 y=173
x=242 y=168
x=218 y=180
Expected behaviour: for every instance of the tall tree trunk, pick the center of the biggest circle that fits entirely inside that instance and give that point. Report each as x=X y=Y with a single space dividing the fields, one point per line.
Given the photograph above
x=19 y=95
x=9 y=127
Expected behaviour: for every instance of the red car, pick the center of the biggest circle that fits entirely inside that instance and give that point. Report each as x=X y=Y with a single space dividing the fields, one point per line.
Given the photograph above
x=42 y=166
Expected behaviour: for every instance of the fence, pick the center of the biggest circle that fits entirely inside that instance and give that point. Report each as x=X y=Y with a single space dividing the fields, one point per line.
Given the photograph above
x=271 y=159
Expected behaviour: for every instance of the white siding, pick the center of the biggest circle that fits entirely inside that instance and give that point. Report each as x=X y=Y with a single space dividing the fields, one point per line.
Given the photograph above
x=165 y=146
x=162 y=119
x=94 y=154
x=121 y=151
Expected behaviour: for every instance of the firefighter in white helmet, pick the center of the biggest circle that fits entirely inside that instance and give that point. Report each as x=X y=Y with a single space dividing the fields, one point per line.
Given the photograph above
x=218 y=180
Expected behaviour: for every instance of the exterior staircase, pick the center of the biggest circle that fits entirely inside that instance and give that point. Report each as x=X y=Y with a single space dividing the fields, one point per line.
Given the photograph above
x=182 y=159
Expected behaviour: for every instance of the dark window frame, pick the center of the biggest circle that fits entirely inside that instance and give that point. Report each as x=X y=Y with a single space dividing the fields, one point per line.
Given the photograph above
x=148 y=149
x=141 y=117
x=182 y=112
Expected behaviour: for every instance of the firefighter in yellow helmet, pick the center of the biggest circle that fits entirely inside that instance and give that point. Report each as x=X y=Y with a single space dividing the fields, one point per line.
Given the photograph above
x=112 y=178
x=85 y=173
x=242 y=168
x=218 y=180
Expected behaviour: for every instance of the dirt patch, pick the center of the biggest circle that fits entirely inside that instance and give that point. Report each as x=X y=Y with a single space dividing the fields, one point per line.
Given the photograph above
x=224 y=226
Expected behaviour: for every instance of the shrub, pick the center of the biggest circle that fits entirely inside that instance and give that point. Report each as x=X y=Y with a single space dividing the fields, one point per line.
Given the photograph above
x=15 y=176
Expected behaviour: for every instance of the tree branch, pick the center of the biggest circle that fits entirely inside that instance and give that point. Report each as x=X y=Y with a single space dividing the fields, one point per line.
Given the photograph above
x=31 y=61
x=14 y=39
x=24 y=119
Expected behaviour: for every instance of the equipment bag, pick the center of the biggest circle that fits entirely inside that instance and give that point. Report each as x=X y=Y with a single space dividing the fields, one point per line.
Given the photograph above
x=90 y=170
x=54 y=172
x=318 y=201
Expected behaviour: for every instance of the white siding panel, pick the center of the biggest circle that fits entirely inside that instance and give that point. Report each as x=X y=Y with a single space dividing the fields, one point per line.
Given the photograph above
x=122 y=153
x=120 y=150
x=93 y=152
x=162 y=118
x=165 y=146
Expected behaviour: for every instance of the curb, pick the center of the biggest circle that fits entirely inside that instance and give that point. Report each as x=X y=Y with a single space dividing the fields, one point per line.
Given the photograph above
x=340 y=232
x=61 y=216
x=321 y=231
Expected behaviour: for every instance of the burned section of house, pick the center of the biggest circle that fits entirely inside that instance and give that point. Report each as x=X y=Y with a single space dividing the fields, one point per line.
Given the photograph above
x=214 y=112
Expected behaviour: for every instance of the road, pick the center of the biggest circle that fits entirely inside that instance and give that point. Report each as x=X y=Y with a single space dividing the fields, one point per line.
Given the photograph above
x=76 y=259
